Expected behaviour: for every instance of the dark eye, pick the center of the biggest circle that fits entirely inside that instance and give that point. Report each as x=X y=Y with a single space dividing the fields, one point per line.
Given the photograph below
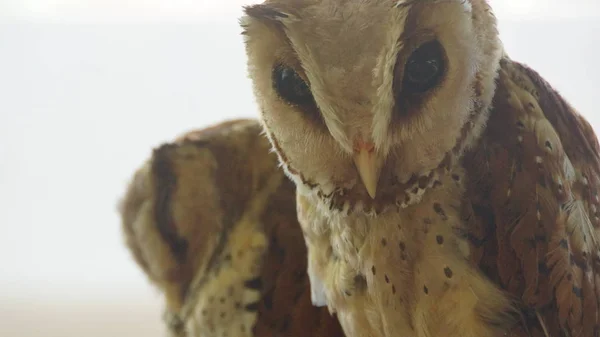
x=290 y=86
x=424 y=68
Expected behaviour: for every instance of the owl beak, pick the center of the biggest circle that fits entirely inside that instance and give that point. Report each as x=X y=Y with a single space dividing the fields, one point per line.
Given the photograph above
x=365 y=159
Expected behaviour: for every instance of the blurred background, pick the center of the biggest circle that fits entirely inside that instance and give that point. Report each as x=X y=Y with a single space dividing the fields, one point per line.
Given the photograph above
x=89 y=87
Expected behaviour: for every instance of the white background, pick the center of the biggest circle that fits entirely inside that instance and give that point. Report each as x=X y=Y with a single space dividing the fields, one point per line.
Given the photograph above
x=88 y=87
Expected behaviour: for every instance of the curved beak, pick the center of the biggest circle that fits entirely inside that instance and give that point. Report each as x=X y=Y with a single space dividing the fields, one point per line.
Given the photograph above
x=367 y=164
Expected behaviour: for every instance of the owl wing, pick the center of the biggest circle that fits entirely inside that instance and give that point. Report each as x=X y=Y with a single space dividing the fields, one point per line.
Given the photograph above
x=534 y=197
x=211 y=220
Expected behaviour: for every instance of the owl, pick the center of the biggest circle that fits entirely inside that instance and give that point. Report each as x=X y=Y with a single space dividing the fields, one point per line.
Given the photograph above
x=211 y=221
x=442 y=188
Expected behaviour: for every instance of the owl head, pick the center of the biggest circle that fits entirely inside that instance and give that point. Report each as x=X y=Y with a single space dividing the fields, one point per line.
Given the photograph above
x=366 y=100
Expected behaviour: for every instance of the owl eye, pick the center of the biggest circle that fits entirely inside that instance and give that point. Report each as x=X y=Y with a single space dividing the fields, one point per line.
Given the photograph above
x=424 y=68
x=290 y=86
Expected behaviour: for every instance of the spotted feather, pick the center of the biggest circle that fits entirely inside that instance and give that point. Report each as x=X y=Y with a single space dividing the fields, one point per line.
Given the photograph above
x=535 y=179
x=211 y=221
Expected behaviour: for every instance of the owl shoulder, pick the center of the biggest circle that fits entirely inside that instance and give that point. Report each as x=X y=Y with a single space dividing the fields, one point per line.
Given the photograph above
x=534 y=181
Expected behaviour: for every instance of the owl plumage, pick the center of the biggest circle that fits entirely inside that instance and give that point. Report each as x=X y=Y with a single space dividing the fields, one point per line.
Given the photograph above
x=211 y=220
x=443 y=189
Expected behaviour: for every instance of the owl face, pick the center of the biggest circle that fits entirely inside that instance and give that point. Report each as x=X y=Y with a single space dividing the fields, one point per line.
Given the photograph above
x=358 y=97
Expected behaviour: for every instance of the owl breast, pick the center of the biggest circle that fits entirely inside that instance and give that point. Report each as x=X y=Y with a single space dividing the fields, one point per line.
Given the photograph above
x=405 y=272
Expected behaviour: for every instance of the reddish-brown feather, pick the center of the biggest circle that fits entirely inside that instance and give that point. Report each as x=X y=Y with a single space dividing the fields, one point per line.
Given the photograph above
x=533 y=189
x=286 y=308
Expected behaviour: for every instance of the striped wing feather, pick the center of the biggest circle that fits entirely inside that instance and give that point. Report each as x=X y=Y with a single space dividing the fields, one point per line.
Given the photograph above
x=534 y=205
x=194 y=214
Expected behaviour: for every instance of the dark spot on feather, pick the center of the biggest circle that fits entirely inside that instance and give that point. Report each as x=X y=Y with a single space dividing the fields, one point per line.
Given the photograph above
x=255 y=283
x=402 y=246
x=393 y=289
x=564 y=244
x=440 y=211
x=204 y=312
x=427 y=221
x=456 y=177
x=548 y=145
x=242 y=328
x=578 y=292
x=347 y=293
x=520 y=125
x=425 y=290
x=238 y=305
x=222 y=314
x=423 y=181
x=222 y=299
x=252 y=306
x=439 y=239
x=415 y=190
x=543 y=268
x=569 y=277
x=360 y=282
x=387 y=280
x=383 y=242
x=542 y=181
x=413 y=179
x=448 y=272
x=373 y=270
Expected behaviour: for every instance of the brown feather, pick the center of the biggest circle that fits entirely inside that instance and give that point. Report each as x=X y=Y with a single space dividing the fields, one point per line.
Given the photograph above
x=217 y=174
x=540 y=183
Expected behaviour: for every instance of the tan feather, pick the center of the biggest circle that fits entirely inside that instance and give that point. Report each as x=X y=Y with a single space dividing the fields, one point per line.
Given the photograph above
x=211 y=220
